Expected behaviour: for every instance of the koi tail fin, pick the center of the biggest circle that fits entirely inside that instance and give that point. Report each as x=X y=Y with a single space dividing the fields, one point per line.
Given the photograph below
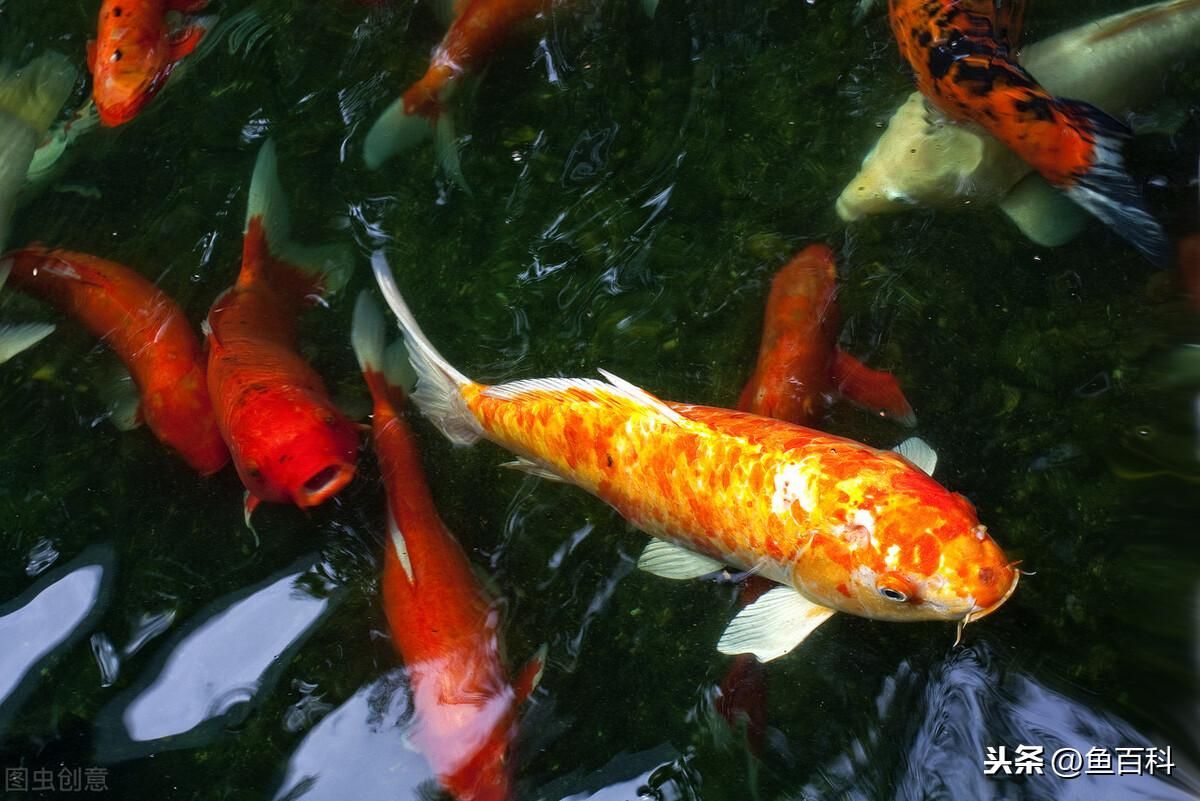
x=1107 y=190
x=17 y=338
x=397 y=131
x=439 y=386
x=394 y=132
x=308 y=271
x=387 y=370
x=35 y=93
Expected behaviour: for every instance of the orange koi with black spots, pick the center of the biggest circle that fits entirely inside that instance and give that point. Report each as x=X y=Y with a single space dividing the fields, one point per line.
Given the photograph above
x=135 y=50
x=839 y=525
x=289 y=442
x=444 y=626
x=149 y=333
x=962 y=54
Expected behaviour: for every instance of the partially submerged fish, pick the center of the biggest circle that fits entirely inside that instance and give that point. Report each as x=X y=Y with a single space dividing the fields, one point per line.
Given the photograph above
x=138 y=44
x=839 y=525
x=477 y=29
x=288 y=440
x=444 y=626
x=148 y=332
x=800 y=367
x=30 y=99
x=924 y=158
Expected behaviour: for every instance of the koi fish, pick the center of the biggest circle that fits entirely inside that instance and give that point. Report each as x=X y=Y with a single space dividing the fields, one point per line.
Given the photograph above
x=838 y=525
x=30 y=98
x=478 y=28
x=443 y=625
x=135 y=50
x=799 y=364
x=961 y=52
x=148 y=332
x=925 y=159
x=288 y=441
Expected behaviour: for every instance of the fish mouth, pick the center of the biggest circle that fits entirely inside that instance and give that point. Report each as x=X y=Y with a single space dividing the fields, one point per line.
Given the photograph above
x=980 y=613
x=324 y=484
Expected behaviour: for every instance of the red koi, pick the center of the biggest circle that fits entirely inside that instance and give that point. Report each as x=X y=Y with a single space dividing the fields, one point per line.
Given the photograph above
x=288 y=440
x=962 y=54
x=478 y=29
x=800 y=368
x=135 y=51
x=840 y=526
x=149 y=333
x=443 y=625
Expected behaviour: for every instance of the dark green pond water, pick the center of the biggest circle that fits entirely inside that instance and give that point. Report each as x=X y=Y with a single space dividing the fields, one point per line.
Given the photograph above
x=634 y=185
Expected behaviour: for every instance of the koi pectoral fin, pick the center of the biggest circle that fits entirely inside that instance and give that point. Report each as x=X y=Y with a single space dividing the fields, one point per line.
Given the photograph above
x=533 y=469
x=530 y=676
x=17 y=338
x=665 y=559
x=919 y=452
x=186 y=39
x=773 y=625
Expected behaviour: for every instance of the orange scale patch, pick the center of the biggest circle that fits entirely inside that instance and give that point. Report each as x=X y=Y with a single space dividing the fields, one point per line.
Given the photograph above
x=926 y=554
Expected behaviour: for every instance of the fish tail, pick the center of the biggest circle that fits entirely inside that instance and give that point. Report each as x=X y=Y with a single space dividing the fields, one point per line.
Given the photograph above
x=439 y=387
x=305 y=270
x=394 y=132
x=386 y=369
x=36 y=92
x=1105 y=188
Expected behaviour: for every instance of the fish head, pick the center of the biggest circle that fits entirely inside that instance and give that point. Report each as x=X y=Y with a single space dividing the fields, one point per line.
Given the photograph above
x=129 y=60
x=305 y=454
x=908 y=550
x=924 y=159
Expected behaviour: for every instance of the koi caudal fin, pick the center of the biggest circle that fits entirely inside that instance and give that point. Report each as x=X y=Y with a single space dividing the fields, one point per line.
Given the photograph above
x=1107 y=190
x=398 y=130
x=267 y=243
x=439 y=387
x=386 y=369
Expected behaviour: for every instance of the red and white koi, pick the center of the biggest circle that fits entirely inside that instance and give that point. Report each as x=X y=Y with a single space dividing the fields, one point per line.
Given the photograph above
x=444 y=626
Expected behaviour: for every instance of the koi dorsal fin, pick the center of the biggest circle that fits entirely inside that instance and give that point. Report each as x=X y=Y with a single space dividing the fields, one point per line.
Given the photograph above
x=615 y=389
x=1010 y=21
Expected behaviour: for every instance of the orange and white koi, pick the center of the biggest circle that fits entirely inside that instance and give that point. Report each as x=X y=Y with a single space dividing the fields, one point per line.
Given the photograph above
x=800 y=367
x=147 y=330
x=839 y=525
x=444 y=626
x=962 y=54
x=135 y=50
x=288 y=440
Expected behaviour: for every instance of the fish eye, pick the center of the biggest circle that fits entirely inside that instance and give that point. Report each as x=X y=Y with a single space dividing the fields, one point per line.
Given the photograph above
x=893 y=595
x=116 y=56
x=895 y=587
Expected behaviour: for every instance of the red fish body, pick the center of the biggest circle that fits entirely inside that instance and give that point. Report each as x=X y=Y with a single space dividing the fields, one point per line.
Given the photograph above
x=478 y=29
x=288 y=440
x=135 y=51
x=800 y=368
x=837 y=524
x=149 y=333
x=961 y=52
x=443 y=625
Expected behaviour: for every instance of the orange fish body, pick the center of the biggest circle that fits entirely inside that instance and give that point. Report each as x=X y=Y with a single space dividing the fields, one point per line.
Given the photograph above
x=961 y=52
x=149 y=333
x=478 y=29
x=135 y=51
x=443 y=625
x=842 y=526
x=288 y=440
x=800 y=368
